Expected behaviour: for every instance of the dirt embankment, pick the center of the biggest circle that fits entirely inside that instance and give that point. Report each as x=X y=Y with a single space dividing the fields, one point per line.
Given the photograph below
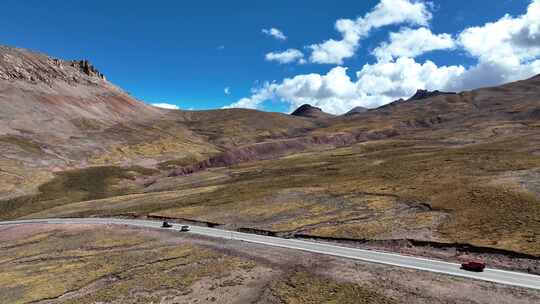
x=274 y=149
x=451 y=252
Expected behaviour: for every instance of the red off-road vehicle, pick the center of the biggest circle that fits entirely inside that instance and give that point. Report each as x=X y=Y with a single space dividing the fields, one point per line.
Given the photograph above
x=473 y=266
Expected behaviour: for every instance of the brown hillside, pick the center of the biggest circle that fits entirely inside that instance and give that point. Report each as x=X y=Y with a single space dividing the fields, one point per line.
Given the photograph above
x=454 y=170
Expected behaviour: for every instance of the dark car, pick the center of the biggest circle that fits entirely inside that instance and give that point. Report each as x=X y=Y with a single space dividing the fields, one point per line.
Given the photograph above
x=473 y=266
x=166 y=225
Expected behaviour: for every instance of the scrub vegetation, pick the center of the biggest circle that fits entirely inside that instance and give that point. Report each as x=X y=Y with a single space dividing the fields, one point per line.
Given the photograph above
x=74 y=186
x=111 y=264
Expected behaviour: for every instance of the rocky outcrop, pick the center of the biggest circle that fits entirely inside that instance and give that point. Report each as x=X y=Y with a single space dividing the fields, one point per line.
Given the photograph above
x=310 y=111
x=24 y=65
x=423 y=94
x=87 y=68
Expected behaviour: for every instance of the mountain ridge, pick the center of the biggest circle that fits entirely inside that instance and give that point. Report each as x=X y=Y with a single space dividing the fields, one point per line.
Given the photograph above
x=419 y=169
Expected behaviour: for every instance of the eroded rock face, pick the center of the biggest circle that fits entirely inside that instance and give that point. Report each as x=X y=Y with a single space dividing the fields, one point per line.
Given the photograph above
x=25 y=65
x=423 y=94
x=87 y=68
x=273 y=149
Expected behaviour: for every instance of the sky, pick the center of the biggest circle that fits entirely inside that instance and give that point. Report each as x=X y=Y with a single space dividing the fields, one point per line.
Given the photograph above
x=277 y=55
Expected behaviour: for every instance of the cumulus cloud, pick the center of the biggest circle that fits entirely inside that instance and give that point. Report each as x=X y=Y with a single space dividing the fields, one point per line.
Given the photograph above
x=259 y=95
x=412 y=43
x=166 y=106
x=335 y=92
x=274 y=32
x=387 y=12
x=505 y=50
x=402 y=77
x=509 y=39
x=288 y=56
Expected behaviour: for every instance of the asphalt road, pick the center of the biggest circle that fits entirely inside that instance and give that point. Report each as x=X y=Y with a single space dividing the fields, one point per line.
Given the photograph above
x=491 y=275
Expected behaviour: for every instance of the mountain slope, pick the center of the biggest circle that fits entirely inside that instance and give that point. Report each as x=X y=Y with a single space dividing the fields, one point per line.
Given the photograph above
x=356 y=110
x=58 y=114
x=449 y=170
x=34 y=84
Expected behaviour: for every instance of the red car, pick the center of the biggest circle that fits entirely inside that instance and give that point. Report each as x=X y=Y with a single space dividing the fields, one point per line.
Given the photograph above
x=473 y=266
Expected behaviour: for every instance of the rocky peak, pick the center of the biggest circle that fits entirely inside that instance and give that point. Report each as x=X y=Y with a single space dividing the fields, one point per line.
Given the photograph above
x=87 y=68
x=307 y=110
x=423 y=94
x=24 y=65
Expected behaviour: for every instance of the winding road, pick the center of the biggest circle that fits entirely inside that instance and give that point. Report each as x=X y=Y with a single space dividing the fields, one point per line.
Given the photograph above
x=491 y=275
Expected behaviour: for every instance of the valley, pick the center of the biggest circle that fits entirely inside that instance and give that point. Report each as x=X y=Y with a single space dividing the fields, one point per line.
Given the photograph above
x=447 y=176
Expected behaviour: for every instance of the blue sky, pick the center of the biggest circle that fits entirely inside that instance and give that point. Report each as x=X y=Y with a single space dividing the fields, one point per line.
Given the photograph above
x=187 y=52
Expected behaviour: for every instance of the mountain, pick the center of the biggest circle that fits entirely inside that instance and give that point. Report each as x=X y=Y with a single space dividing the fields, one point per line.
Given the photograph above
x=423 y=94
x=419 y=95
x=62 y=114
x=356 y=110
x=307 y=110
x=67 y=111
x=438 y=170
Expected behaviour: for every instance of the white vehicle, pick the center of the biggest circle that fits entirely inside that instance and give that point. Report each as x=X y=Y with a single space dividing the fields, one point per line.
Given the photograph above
x=185 y=228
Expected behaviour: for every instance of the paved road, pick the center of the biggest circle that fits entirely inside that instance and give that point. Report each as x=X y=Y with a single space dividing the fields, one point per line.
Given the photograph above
x=491 y=275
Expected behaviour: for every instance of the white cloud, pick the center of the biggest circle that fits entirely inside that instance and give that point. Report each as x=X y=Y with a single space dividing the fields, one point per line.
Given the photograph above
x=512 y=40
x=258 y=96
x=227 y=91
x=411 y=43
x=288 y=56
x=493 y=73
x=166 y=106
x=505 y=50
x=333 y=92
x=402 y=77
x=274 y=32
x=375 y=85
x=387 y=12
